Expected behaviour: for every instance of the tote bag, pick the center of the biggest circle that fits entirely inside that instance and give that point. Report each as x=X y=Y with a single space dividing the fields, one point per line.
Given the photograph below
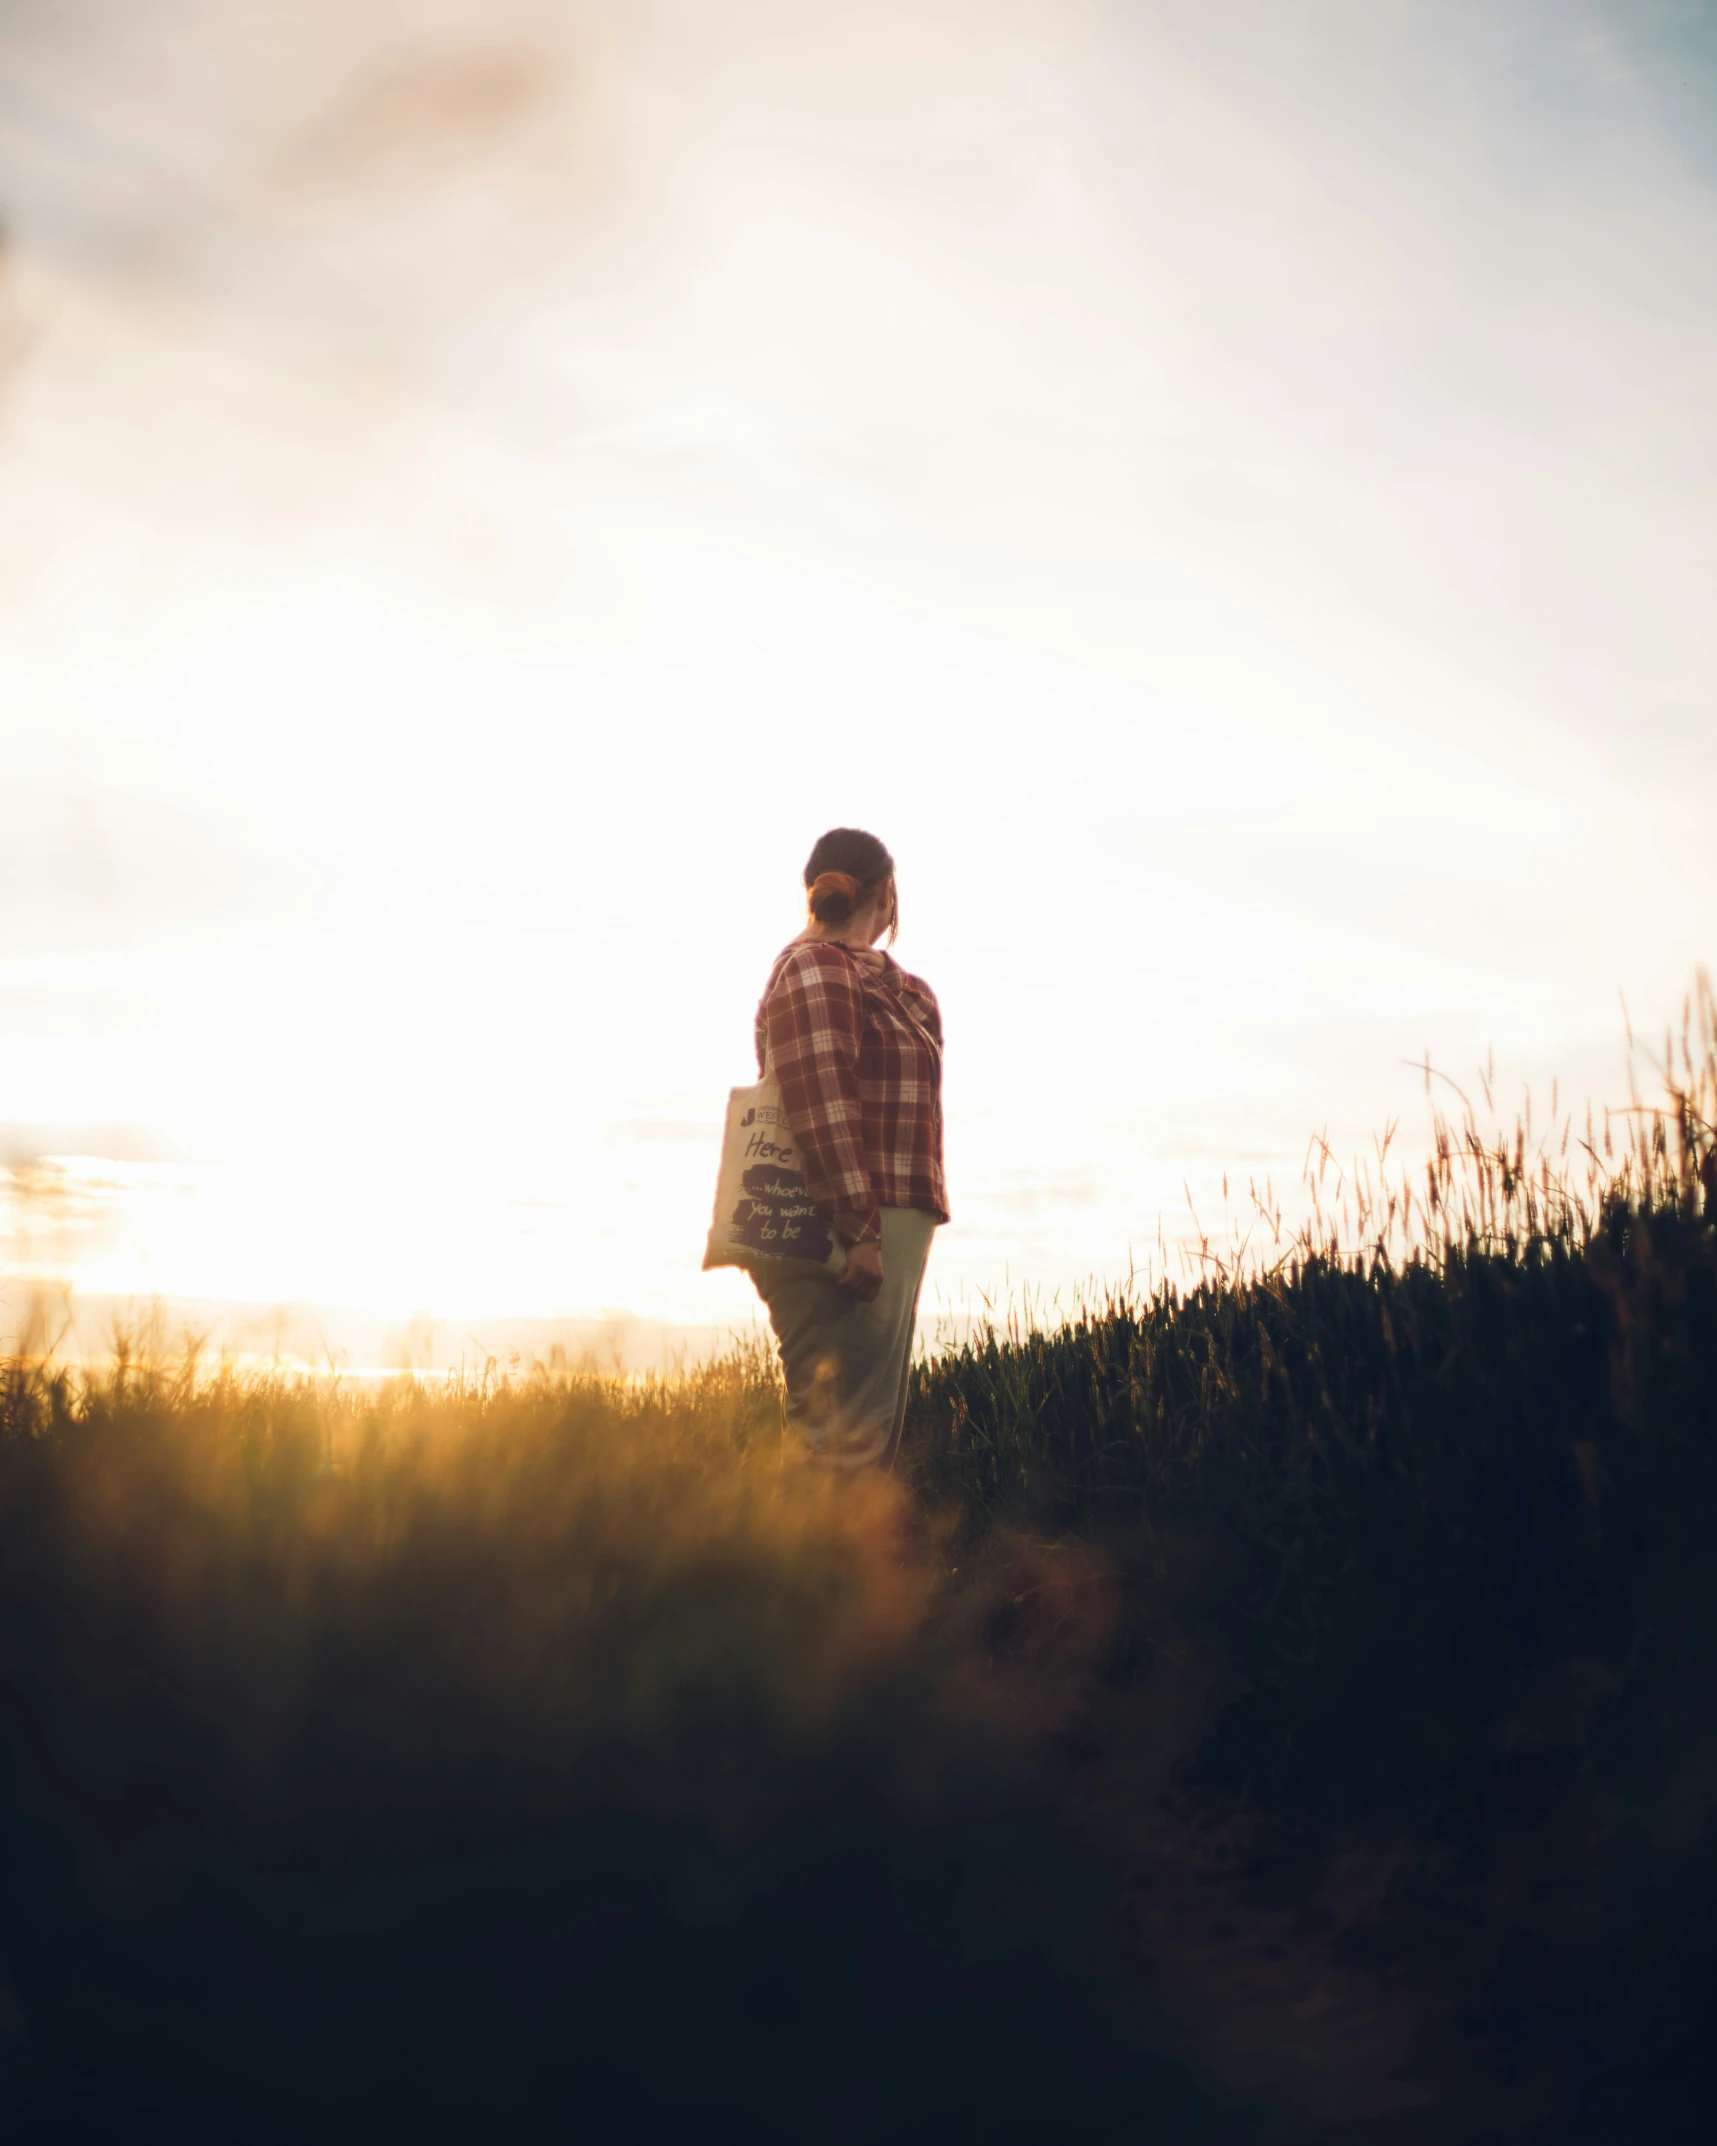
x=762 y=1207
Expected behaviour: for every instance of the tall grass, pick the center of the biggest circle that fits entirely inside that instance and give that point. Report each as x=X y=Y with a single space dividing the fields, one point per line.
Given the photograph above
x=527 y=1755
x=1434 y=1478
x=1449 y=1422
x=507 y=1760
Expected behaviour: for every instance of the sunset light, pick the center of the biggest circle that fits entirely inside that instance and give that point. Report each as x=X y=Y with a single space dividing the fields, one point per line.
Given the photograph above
x=858 y=1072
x=475 y=504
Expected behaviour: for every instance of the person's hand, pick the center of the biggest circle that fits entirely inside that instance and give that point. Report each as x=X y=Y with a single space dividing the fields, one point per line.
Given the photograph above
x=862 y=1277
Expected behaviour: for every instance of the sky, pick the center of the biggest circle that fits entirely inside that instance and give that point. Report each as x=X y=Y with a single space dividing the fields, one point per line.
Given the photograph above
x=1228 y=492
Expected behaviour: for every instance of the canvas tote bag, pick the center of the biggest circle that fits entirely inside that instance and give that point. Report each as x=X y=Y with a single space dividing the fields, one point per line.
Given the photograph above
x=762 y=1207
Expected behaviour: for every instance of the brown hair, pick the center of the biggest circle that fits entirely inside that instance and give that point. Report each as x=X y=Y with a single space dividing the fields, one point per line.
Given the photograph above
x=843 y=871
x=833 y=897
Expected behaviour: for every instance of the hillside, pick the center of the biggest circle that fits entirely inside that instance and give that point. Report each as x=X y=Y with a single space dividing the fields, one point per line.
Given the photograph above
x=1275 y=1708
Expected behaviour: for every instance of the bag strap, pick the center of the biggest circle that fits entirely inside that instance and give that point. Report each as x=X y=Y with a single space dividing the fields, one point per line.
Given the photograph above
x=907 y=1015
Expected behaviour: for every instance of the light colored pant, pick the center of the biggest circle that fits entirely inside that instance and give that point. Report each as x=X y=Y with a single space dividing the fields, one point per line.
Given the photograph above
x=846 y=1363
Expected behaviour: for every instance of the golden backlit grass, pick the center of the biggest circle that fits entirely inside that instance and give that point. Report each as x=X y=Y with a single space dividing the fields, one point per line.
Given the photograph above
x=511 y=1755
x=592 y=1514
x=533 y=1752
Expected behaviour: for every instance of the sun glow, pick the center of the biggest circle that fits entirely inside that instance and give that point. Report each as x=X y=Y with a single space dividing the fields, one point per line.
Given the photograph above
x=563 y=493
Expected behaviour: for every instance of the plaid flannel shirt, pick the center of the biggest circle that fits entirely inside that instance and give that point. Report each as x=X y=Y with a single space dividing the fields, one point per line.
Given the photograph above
x=856 y=1044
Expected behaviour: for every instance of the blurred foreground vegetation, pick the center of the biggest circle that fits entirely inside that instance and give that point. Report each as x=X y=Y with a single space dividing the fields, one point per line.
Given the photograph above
x=487 y=1761
x=1430 y=1485
x=541 y=1754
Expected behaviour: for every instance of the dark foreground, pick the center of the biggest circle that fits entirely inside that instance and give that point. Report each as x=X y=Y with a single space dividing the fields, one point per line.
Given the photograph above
x=1282 y=1712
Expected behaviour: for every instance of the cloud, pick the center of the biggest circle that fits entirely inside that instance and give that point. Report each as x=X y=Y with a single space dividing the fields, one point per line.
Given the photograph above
x=23 y=1146
x=1244 y=475
x=424 y=115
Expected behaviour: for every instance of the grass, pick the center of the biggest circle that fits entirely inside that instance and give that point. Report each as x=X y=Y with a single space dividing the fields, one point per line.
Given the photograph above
x=1471 y=1420
x=1435 y=1479
x=502 y=1758
x=530 y=1754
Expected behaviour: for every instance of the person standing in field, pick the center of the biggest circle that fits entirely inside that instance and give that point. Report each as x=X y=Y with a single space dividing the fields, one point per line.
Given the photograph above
x=856 y=1044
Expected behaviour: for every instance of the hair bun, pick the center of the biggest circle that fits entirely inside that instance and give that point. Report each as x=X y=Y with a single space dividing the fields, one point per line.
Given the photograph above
x=833 y=897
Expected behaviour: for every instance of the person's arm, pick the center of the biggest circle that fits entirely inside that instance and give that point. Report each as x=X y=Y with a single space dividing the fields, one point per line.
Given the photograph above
x=815 y=1019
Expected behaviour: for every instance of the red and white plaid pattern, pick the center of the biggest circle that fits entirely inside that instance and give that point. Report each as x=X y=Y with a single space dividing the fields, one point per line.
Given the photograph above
x=856 y=1044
